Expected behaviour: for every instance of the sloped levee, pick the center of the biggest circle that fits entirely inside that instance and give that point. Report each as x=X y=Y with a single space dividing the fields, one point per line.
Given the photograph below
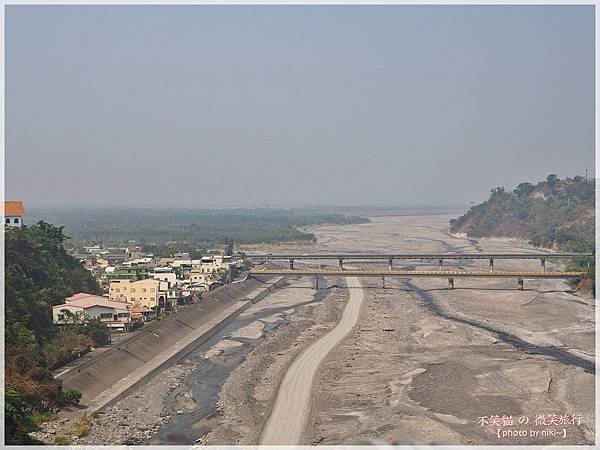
x=163 y=344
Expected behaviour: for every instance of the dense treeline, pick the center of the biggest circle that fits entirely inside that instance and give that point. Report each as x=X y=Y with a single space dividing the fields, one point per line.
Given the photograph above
x=40 y=274
x=558 y=214
x=197 y=228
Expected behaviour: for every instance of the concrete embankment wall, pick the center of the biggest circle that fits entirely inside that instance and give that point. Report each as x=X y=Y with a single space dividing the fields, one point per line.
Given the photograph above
x=116 y=372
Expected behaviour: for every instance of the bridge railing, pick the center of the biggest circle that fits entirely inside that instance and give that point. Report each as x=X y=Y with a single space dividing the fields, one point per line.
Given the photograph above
x=439 y=257
x=449 y=274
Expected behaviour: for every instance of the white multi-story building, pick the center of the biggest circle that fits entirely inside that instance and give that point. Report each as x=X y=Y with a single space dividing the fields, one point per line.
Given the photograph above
x=165 y=274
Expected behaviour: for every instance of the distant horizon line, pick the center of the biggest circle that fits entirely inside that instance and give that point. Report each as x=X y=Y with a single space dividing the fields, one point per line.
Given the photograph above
x=224 y=206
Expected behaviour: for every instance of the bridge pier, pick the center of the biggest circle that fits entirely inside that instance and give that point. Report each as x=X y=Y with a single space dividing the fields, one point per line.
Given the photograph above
x=440 y=263
x=491 y=264
x=543 y=261
x=520 y=283
x=291 y=264
x=391 y=261
x=316 y=282
x=341 y=262
x=450 y=283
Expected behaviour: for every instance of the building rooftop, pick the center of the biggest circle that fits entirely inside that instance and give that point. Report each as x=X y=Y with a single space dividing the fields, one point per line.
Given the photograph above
x=79 y=296
x=84 y=300
x=14 y=208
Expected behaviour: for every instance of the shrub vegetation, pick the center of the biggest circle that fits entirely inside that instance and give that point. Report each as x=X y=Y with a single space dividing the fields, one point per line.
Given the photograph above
x=40 y=274
x=557 y=214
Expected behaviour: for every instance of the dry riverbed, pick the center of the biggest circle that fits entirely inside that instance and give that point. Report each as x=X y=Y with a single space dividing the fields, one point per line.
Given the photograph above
x=408 y=375
x=431 y=365
x=423 y=365
x=246 y=397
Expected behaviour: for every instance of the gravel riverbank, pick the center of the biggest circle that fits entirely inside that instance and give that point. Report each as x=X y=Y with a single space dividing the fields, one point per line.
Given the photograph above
x=246 y=397
x=133 y=419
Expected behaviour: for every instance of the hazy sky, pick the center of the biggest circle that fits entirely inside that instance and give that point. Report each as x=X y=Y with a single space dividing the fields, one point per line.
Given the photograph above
x=207 y=105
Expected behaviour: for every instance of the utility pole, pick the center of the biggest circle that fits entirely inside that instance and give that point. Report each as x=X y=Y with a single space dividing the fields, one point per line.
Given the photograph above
x=79 y=353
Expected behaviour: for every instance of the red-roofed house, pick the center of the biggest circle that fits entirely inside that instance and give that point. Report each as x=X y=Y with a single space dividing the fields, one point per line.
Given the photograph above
x=116 y=315
x=13 y=213
x=78 y=296
x=142 y=313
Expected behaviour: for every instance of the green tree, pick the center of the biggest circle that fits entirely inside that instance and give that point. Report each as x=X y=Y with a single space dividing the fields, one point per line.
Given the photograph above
x=39 y=274
x=562 y=215
x=524 y=189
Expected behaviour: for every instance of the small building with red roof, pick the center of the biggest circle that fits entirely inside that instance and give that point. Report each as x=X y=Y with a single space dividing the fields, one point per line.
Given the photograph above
x=13 y=213
x=142 y=313
x=116 y=315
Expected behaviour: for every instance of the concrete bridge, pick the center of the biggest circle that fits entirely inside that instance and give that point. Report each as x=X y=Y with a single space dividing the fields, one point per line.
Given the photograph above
x=439 y=257
x=449 y=274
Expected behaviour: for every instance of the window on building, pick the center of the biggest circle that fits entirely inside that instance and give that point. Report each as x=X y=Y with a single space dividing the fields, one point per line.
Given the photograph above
x=123 y=314
x=132 y=290
x=16 y=220
x=7 y=220
x=105 y=315
x=143 y=289
x=61 y=317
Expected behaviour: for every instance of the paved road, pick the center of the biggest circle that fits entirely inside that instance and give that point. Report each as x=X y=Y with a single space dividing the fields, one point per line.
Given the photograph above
x=287 y=423
x=120 y=338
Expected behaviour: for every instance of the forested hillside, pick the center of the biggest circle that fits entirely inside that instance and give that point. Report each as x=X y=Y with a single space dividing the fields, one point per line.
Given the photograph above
x=39 y=274
x=553 y=213
x=557 y=214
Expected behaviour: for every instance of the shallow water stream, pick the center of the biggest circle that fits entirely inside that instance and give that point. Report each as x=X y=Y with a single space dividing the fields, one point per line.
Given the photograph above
x=193 y=404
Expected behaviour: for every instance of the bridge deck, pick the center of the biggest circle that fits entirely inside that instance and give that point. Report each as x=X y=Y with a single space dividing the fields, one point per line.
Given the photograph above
x=420 y=256
x=415 y=273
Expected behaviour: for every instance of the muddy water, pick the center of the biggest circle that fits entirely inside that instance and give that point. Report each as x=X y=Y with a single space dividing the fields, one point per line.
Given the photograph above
x=196 y=398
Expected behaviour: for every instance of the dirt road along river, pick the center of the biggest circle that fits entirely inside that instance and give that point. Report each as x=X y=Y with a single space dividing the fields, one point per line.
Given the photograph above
x=292 y=407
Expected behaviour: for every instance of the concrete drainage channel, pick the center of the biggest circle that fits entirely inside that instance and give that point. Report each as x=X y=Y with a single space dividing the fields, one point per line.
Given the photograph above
x=117 y=372
x=186 y=345
x=189 y=422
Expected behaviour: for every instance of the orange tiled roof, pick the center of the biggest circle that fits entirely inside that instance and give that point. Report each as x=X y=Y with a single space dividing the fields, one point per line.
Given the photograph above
x=14 y=208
